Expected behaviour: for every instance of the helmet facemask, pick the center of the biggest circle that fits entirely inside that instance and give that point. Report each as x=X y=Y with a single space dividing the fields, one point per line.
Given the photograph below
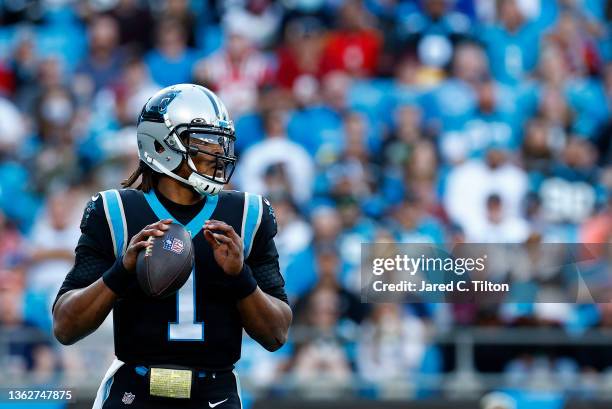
x=220 y=151
x=218 y=148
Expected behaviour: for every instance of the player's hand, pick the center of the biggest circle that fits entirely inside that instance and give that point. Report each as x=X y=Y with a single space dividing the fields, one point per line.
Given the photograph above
x=140 y=242
x=226 y=245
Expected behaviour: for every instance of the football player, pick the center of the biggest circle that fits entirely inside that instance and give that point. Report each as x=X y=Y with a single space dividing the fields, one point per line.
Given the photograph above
x=179 y=351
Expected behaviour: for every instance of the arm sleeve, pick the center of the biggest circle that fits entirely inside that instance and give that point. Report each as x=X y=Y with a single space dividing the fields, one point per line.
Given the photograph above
x=263 y=259
x=94 y=252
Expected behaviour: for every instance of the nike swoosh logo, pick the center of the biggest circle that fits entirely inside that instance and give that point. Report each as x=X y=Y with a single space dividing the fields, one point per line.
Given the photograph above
x=212 y=405
x=94 y=198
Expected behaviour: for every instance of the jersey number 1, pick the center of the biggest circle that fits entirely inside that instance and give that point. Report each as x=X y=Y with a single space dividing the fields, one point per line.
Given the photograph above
x=186 y=328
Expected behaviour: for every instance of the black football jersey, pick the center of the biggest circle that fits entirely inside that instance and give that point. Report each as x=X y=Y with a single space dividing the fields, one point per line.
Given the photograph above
x=199 y=326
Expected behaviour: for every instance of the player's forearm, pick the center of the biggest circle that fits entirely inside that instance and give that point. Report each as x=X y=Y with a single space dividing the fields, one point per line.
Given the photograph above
x=78 y=313
x=266 y=319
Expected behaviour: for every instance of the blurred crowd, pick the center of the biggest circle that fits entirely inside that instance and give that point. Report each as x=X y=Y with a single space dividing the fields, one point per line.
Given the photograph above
x=430 y=121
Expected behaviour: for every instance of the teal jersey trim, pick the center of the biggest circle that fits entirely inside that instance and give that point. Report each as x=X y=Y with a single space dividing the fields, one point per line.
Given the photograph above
x=196 y=224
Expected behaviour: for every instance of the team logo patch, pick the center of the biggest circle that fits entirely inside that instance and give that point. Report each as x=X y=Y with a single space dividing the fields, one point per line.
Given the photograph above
x=174 y=245
x=128 y=398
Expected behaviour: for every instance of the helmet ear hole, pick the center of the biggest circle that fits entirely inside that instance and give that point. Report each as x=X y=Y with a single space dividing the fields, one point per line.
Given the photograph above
x=158 y=147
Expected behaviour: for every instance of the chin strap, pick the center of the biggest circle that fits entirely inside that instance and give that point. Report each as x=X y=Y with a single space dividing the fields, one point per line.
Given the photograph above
x=199 y=182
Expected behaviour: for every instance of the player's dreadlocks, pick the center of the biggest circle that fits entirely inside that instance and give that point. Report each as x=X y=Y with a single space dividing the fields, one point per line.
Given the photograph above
x=147 y=178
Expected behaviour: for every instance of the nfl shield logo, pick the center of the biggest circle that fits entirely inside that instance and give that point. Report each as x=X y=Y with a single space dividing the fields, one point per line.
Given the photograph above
x=177 y=246
x=174 y=245
x=128 y=398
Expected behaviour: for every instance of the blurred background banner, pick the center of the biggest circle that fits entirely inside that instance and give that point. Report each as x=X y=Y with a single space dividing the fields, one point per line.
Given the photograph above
x=362 y=121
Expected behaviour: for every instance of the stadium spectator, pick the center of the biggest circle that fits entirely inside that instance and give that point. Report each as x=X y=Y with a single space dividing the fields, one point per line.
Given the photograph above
x=351 y=173
x=318 y=127
x=398 y=147
x=399 y=165
x=300 y=273
x=469 y=184
x=277 y=163
x=12 y=239
x=411 y=224
x=236 y=71
x=391 y=345
x=498 y=227
x=251 y=124
x=17 y=200
x=577 y=47
x=24 y=70
x=356 y=45
x=433 y=31
x=321 y=365
x=294 y=233
x=552 y=69
x=328 y=269
x=488 y=124
x=135 y=22
x=171 y=61
x=179 y=11
x=12 y=128
x=132 y=90
x=448 y=106
x=553 y=108
x=115 y=111
x=103 y=62
x=513 y=43
x=300 y=55
x=29 y=348
x=539 y=151
x=6 y=80
x=53 y=147
x=49 y=74
x=115 y=108
x=52 y=242
x=421 y=176
x=570 y=191
x=357 y=228
x=263 y=17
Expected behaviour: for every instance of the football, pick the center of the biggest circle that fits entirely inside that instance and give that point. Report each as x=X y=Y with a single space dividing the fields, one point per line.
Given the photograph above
x=164 y=267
